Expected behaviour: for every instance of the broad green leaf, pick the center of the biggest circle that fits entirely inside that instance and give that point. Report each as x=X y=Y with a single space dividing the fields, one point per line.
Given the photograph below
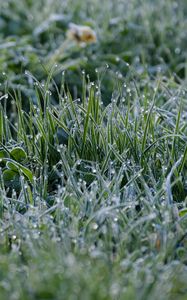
x=11 y=179
x=183 y=212
x=3 y=154
x=21 y=168
x=12 y=167
x=18 y=154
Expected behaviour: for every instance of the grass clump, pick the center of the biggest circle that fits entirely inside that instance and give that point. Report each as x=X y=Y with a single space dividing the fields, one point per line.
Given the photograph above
x=93 y=159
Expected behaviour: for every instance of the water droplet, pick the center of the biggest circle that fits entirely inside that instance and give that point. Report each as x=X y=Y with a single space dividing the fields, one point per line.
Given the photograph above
x=95 y=226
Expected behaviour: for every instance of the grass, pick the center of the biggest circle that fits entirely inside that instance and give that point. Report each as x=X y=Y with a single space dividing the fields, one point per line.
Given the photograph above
x=93 y=155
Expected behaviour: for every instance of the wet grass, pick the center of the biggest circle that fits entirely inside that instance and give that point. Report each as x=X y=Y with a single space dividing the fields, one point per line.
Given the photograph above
x=93 y=151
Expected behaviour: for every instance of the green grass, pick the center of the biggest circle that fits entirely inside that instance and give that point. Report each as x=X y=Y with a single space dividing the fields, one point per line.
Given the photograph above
x=93 y=151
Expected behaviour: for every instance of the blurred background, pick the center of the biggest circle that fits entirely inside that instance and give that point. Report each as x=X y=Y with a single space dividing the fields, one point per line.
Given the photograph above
x=148 y=35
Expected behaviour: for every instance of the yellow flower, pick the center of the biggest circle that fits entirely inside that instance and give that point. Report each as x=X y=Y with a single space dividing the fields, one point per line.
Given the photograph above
x=81 y=34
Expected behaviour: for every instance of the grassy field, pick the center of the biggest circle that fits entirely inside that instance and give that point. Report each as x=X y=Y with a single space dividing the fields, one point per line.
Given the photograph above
x=93 y=151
